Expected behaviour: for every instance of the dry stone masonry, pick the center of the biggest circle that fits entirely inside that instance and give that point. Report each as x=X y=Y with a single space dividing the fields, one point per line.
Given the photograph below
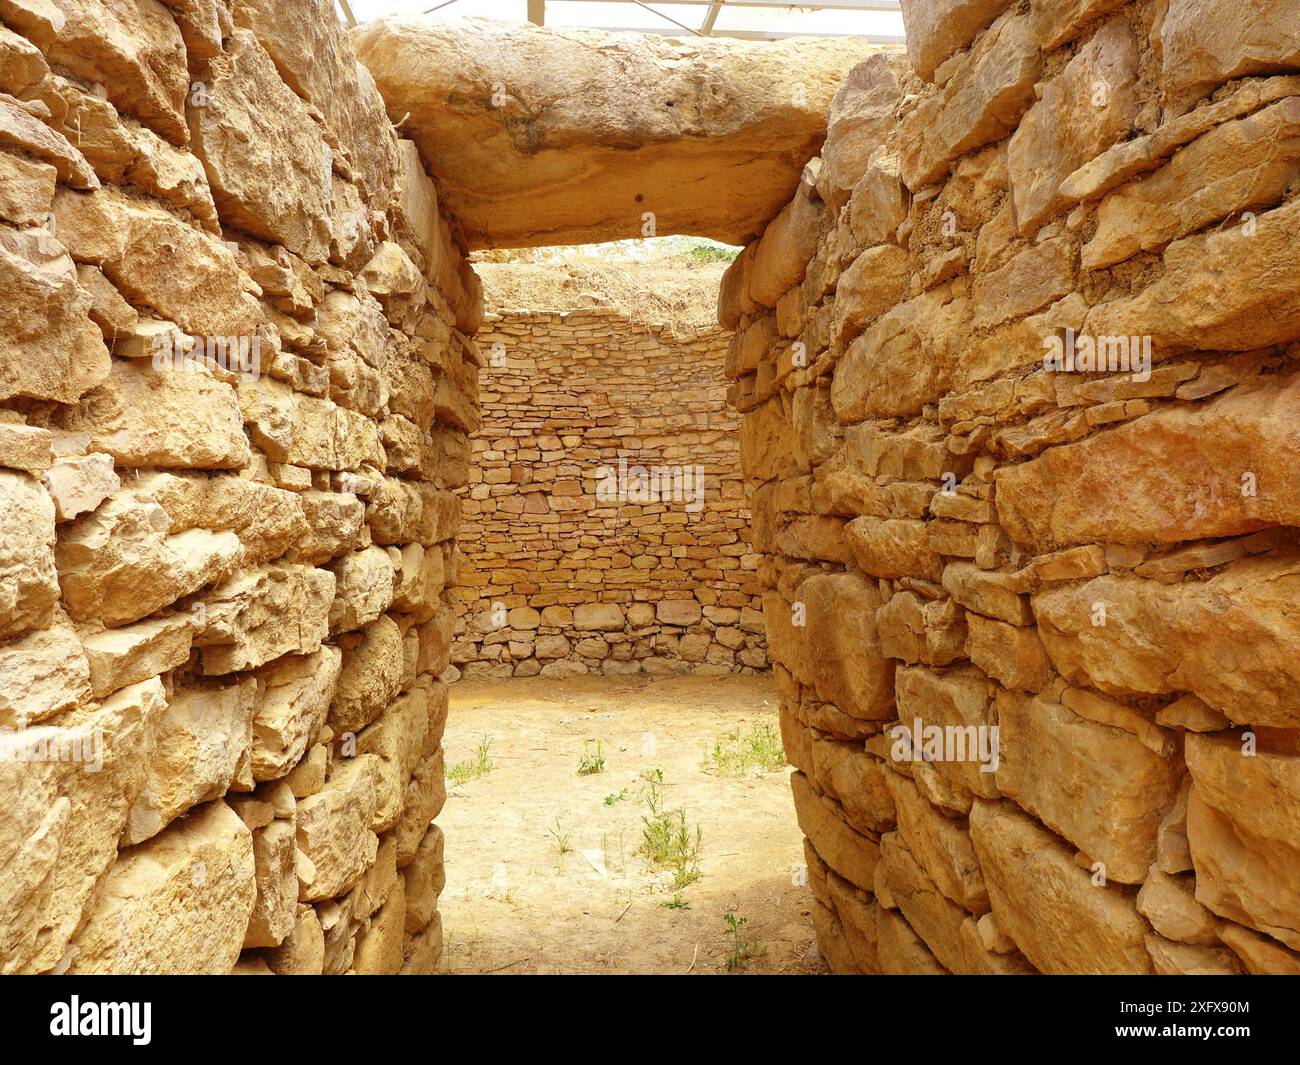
x=605 y=527
x=1021 y=426
x=236 y=391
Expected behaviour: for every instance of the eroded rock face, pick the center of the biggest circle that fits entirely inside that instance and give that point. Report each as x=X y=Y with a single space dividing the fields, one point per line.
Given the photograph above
x=544 y=136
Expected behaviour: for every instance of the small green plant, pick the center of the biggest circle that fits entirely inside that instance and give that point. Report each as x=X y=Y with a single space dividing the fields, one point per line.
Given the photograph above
x=592 y=761
x=742 y=750
x=561 y=836
x=480 y=766
x=711 y=253
x=677 y=902
x=614 y=797
x=667 y=840
x=741 y=948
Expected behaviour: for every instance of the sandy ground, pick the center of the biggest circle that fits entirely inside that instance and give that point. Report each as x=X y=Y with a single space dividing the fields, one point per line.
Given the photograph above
x=515 y=904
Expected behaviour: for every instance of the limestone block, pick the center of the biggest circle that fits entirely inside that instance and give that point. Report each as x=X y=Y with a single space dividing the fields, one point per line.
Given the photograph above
x=363 y=588
x=1100 y=787
x=370 y=677
x=333 y=829
x=64 y=821
x=176 y=904
x=268 y=165
x=262 y=614
x=1048 y=905
x=43 y=673
x=119 y=563
x=1207 y=42
x=295 y=696
x=585 y=154
x=202 y=749
x=1229 y=640
x=1241 y=818
x=132 y=48
x=49 y=347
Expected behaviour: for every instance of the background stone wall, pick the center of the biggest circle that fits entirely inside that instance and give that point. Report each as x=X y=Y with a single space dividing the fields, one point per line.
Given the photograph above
x=1101 y=565
x=224 y=600
x=558 y=577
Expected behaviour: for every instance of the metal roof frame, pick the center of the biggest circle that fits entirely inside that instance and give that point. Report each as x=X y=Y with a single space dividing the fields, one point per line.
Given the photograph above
x=708 y=28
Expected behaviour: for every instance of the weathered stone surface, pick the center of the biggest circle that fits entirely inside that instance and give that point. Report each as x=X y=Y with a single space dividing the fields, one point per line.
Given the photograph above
x=313 y=55
x=41 y=674
x=268 y=166
x=625 y=129
x=202 y=746
x=1099 y=787
x=132 y=48
x=424 y=877
x=79 y=485
x=981 y=103
x=1191 y=307
x=177 y=904
x=64 y=819
x=1231 y=640
x=934 y=917
x=28 y=582
x=935 y=30
x=1085 y=109
x=861 y=119
x=425 y=794
x=264 y=613
x=915 y=630
x=295 y=694
x=302 y=953
x=1169 y=903
x=1238 y=166
x=363 y=588
x=49 y=347
x=1242 y=826
x=162 y=417
x=1048 y=905
x=841 y=647
x=118 y=657
x=939 y=845
x=1176 y=474
x=901 y=951
x=275 y=909
x=849 y=853
x=855 y=779
x=156 y=260
x=21 y=131
x=955 y=698
x=306 y=431
x=397 y=738
x=370 y=676
x=334 y=829
x=1207 y=42
x=26 y=190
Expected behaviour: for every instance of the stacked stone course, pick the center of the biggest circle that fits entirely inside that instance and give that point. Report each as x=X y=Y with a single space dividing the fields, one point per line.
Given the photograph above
x=1101 y=565
x=557 y=577
x=225 y=571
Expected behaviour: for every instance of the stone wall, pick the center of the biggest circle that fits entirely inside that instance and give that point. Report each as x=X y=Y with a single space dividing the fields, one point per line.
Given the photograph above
x=564 y=573
x=968 y=527
x=236 y=388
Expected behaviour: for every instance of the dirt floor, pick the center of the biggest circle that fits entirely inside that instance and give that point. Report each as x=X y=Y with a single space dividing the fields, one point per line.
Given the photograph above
x=544 y=873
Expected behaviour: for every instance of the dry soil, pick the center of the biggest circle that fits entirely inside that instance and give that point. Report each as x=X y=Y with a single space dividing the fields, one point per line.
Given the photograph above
x=514 y=903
